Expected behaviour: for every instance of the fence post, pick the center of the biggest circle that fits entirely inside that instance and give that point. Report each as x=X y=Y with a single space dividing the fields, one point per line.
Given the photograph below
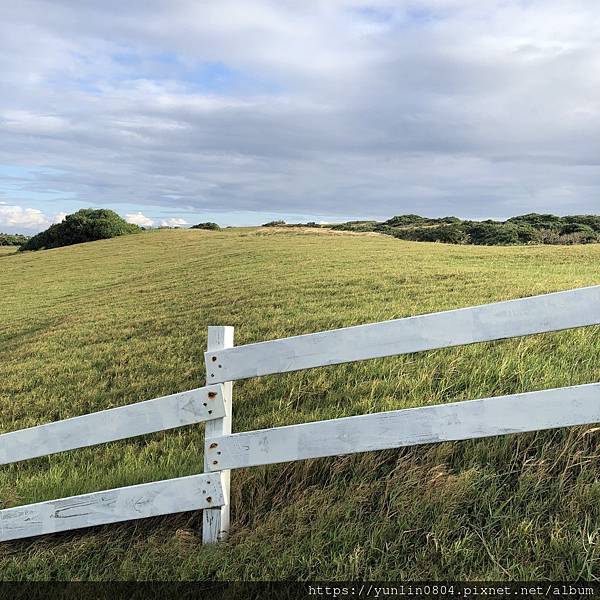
x=215 y=521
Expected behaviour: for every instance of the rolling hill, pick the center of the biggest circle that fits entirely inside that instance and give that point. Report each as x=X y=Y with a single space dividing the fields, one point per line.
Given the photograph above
x=112 y=322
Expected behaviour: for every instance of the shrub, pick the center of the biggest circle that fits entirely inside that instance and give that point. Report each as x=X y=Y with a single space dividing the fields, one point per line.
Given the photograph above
x=450 y=234
x=449 y=220
x=495 y=234
x=592 y=221
x=357 y=226
x=576 y=228
x=532 y=228
x=309 y=224
x=537 y=221
x=207 y=225
x=12 y=239
x=274 y=224
x=405 y=221
x=547 y=236
x=578 y=237
x=86 y=225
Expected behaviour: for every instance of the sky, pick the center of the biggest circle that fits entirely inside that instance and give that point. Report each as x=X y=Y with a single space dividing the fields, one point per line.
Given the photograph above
x=173 y=112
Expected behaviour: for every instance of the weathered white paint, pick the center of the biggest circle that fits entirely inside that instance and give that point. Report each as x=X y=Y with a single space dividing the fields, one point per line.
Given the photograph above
x=112 y=506
x=578 y=405
x=215 y=521
x=526 y=316
x=168 y=412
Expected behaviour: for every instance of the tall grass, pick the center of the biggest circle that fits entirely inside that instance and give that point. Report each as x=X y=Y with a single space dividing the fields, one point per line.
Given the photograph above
x=109 y=323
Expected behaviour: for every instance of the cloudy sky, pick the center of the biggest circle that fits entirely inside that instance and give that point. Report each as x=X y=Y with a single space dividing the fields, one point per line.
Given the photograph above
x=240 y=111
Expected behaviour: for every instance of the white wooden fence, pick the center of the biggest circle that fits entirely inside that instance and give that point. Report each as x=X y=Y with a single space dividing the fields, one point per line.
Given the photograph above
x=532 y=411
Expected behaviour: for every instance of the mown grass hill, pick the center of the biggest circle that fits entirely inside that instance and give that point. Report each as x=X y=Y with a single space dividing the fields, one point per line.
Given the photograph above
x=103 y=324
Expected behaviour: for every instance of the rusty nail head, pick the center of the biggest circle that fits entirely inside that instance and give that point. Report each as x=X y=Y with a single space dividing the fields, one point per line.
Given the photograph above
x=212 y=395
x=209 y=498
x=214 y=359
x=215 y=462
x=213 y=445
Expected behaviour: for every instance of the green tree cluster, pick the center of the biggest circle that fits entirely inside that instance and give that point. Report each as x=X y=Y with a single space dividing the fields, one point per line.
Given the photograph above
x=12 y=239
x=86 y=225
x=274 y=224
x=208 y=225
x=531 y=228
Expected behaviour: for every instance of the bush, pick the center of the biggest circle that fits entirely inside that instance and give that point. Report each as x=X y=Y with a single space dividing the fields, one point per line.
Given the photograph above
x=498 y=234
x=537 y=221
x=547 y=236
x=405 y=221
x=208 y=225
x=576 y=228
x=12 y=239
x=449 y=234
x=532 y=228
x=578 y=237
x=358 y=226
x=86 y=225
x=274 y=224
x=309 y=224
x=592 y=221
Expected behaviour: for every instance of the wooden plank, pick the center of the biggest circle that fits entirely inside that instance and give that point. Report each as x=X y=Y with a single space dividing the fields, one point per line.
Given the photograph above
x=215 y=521
x=501 y=415
x=525 y=316
x=112 y=506
x=168 y=412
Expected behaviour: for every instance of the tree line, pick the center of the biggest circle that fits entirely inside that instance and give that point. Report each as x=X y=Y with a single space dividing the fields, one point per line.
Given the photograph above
x=532 y=228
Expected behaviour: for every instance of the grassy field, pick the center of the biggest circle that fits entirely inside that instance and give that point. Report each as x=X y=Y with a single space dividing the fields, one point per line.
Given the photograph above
x=109 y=323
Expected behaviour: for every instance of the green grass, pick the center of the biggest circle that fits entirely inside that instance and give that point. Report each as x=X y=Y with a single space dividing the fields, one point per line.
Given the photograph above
x=109 y=323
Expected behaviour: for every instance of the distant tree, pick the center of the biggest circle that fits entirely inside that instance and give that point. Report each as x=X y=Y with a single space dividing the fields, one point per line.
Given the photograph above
x=12 y=239
x=86 y=225
x=532 y=228
x=274 y=224
x=577 y=228
x=452 y=233
x=592 y=221
x=493 y=234
x=449 y=220
x=207 y=225
x=405 y=220
x=538 y=221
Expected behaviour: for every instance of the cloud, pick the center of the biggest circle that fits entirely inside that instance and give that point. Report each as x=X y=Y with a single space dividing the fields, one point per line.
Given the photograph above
x=342 y=108
x=59 y=217
x=139 y=219
x=28 y=218
x=173 y=222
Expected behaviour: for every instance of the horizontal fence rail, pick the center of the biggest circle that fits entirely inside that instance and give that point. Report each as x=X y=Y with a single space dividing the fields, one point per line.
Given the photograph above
x=167 y=412
x=112 y=506
x=525 y=316
x=531 y=411
x=486 y=417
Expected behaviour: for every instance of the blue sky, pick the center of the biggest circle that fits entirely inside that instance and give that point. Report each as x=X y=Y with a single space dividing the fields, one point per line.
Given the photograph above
x=244 y=111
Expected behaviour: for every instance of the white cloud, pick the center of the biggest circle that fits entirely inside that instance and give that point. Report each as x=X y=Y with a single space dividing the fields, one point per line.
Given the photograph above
x=59 y=217
x=173 y=222
x=140 y=219
x=339 y=108
x=28 y=218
